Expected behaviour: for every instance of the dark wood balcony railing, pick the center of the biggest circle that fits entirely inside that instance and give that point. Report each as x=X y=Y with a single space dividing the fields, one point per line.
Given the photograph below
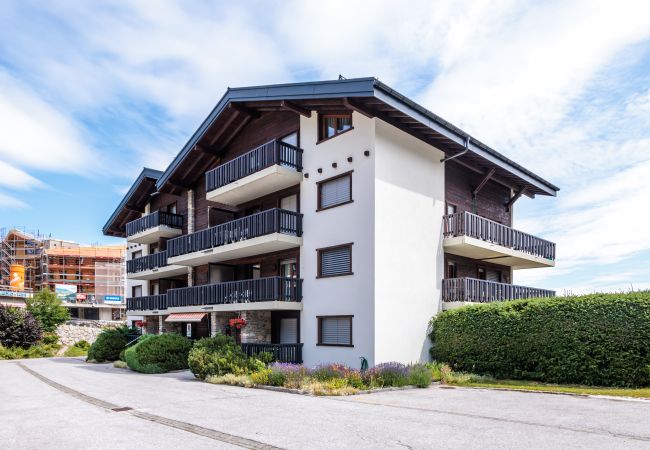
x=483 y=291
x=148 y=262
x=146 y=303
x=286 y=353
x=265 y=222
x=244 y=291
x=468 y=224
x=153 y=220
x=267 y=155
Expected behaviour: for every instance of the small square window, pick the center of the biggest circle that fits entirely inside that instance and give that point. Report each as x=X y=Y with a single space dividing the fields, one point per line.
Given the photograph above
x=332 y=124
x=335 y=261
x=335 y=330
x=335 y=191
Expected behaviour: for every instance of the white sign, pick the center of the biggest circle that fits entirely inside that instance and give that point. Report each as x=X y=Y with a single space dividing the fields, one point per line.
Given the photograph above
x=16 y=294
x=189 y=330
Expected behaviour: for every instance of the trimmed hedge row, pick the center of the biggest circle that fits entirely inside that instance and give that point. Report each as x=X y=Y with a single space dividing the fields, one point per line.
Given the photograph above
x=599 y=339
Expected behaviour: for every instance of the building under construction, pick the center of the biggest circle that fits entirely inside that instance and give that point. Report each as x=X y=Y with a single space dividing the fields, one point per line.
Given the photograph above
x=90 y=280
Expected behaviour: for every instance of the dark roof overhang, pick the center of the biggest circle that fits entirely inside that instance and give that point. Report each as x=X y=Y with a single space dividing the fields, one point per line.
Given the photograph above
x=133 y=203
x=368 y=96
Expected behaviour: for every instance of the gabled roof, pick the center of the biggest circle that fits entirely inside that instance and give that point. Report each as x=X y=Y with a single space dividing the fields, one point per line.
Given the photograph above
x=133 y=202
x=373 y=98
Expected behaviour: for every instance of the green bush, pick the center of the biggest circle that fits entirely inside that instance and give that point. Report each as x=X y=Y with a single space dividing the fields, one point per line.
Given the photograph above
x=79 y=348
x=18 y=328
x=158 y=353
x=599 y=339
x=35 y=351
x=50 y=338
x=220 y=355
x=109 y=344
x=46 y=307
x=419 y=375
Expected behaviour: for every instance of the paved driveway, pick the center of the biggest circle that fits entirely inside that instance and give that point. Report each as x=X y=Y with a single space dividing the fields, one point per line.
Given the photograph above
x=65 y=403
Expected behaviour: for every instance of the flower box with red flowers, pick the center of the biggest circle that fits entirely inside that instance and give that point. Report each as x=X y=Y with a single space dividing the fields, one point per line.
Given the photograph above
x=237 y=323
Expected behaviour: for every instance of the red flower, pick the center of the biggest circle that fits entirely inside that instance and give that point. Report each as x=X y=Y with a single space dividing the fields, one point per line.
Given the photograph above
x=237 y=323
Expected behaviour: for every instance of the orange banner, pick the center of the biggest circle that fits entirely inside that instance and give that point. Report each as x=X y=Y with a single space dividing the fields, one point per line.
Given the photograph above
x=17 y=277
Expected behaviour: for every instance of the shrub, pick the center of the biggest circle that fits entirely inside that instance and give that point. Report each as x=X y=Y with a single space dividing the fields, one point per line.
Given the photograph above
x=35 y=351
x=109 y=344
x=293 y=375
x=436 y=370
x=78 y=349
x=419 y=375
x=276 y=378
x=46 y=307
x=18 y=328
x=265 y=357
x=599 y=339
x=158 y=353
x=218 y=355
x=326 y=372
x=50 y=338
x=387 y=374
x=261 y=377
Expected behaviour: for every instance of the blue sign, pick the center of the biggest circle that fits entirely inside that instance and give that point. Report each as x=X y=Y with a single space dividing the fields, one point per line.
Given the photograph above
x=113 y=298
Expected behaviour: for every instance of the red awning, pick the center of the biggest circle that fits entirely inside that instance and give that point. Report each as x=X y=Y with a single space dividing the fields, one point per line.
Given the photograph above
x=185 y=317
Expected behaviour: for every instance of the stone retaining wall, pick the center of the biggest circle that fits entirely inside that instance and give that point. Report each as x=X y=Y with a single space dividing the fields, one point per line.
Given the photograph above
x=87 y=330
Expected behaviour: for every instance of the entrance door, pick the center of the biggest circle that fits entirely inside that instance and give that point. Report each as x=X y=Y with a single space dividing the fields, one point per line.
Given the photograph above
x=289 y=330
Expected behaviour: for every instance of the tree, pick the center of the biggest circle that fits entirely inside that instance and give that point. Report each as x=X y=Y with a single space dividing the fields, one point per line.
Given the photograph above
x=18 y=328
x=48 y=310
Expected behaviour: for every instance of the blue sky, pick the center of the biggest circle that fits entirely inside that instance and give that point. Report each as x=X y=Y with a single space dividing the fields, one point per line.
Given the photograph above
x=91 y=92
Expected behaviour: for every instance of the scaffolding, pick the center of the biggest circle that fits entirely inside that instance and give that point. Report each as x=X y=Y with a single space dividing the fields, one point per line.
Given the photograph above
x=94 y=274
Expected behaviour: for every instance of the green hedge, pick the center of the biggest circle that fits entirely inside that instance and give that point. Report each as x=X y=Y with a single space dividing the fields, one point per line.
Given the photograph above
x=158 y=353
x=109 y=344
x=599 y=339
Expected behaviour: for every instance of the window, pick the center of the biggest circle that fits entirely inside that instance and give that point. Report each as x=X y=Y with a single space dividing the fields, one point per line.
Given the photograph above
x=335 y=191
x=171 y=208
x=451 y=208
x=335 y=261
x=329 y=125
x=335 y=330
x=137 y=254
x=136 y=291
x=489 y=274
x=452 y=270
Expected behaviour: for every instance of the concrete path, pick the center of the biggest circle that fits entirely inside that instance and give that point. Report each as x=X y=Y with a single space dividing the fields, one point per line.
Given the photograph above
x=65 y=403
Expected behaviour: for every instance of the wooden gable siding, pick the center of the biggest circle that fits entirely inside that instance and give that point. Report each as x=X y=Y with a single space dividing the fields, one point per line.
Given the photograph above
x=490 y=201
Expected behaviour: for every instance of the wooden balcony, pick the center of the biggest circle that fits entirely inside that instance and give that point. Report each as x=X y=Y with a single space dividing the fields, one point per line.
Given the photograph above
x=269 y=168
x=472 y=290
x=286 y=353
x=264 y=232
x=148 y=229
x=271 y=293
x=151 y=267
x=147 y=303
x=472 y=236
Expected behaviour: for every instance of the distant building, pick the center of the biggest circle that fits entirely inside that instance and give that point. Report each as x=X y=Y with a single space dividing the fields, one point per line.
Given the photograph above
x=90 y=280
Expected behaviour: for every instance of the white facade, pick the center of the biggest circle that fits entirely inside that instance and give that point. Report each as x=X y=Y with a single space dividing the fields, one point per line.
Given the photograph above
x=393 y=222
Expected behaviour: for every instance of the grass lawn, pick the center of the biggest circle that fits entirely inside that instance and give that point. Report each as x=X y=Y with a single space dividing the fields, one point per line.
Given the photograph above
x=544 y=387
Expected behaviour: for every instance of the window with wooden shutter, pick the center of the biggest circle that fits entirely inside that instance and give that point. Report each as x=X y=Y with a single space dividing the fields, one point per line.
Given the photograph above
x=335 y=330
x=335 y=261
x=335 y=191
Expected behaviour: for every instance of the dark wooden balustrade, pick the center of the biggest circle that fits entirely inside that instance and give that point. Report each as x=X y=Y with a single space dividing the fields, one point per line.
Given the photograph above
x=243 y=291
x=267 y=155
x=266 y=222
x=153 y=220
x=286 y=353
x=468 y=224
x=483 y=291
x=146 y=303
x=148 y=262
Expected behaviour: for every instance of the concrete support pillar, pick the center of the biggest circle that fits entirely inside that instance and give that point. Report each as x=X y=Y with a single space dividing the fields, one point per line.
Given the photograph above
x=160 y=324
x=213 y=324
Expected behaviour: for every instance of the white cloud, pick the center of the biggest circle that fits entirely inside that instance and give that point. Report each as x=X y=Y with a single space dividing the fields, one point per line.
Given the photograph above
x=12 y=177
x=9 y=202
x=35 y=134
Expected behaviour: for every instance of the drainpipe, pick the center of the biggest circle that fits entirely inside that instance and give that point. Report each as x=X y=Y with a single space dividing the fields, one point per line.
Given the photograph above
x=449 y=158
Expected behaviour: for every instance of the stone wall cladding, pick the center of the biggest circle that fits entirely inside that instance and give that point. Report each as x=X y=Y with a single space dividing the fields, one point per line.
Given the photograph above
x=87 y=330
x=258 y=326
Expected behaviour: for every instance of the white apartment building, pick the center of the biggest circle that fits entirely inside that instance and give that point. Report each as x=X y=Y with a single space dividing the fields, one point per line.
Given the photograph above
x=335 y=218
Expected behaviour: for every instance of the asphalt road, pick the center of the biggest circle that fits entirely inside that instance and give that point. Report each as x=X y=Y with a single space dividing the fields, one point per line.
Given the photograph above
x=65 y=403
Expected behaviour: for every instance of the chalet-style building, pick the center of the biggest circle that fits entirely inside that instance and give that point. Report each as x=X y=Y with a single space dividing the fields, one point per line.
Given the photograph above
x=336 y=218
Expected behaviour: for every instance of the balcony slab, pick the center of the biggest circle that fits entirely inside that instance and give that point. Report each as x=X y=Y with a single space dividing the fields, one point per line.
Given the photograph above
x=151 y=235
x=229 y=307
x=249 y=247
x=170 y=270
x=266 y=181
x=473 y=248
